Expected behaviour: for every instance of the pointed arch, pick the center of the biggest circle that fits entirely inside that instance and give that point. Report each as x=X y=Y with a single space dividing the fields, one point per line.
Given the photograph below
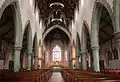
x=35 y=41
x=54 y=27
x=78 y=51
x=105 y=4
x=85 y=45
x=17 y=14
x=78 y=43
x=26 y=47
x=13 y=5
x=96 y=19
x=29 y=34
x=85 y=36
x=35 y=52
x=100 y=7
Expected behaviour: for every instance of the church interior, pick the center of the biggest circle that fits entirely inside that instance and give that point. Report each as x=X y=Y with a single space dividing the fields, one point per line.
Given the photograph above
x=60 y=41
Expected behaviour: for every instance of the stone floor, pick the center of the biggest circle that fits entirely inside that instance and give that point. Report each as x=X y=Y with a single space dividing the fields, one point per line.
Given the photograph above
x=56 y=77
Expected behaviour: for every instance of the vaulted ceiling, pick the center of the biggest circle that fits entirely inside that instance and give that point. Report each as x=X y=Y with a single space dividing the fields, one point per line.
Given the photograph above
x=68 y=10
x=69 y=6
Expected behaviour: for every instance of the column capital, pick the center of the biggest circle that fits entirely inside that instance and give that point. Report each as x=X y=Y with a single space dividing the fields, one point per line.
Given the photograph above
x=17 y=48
x=95 y=47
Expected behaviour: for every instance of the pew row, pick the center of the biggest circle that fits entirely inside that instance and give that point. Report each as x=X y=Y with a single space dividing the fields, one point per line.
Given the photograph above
x=111 y=71
x=40 y=75
x=70 y=75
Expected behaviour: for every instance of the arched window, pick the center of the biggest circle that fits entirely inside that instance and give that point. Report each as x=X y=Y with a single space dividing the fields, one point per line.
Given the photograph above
x=56 y=53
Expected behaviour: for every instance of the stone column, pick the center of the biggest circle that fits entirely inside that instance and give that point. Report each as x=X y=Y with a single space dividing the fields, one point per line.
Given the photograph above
x=77 y=58
x=70 y=63
x=29 y=51
x=43 y=57
x=36 y=58
x=117 y=23
x=84 y=62
x=84 y=50
x=39 y=56
x=29 y=56
x=36 y=62
x=74 y=56
x=117 y=14
x=32 y=60
x=49 y=55
x=16 y=59
x=96 y=64
x=95 y=43
x=117 y=37
x=70 y=57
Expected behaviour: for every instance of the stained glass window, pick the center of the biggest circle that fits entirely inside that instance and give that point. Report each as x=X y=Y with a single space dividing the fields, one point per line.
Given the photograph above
x=56 y=53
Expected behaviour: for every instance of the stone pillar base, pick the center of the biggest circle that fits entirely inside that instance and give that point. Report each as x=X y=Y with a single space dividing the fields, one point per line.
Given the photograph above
x=96 y=64
x=16 y=58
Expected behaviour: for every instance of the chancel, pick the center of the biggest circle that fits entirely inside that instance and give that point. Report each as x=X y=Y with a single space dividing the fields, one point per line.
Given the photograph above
x=59 y=40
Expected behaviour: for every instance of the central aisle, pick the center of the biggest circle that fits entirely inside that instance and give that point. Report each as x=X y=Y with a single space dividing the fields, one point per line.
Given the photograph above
x=56 y=77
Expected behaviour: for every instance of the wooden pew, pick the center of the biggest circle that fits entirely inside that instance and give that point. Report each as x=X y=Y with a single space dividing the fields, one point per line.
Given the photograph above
x=111 y=71
x=71 y=75
x=41 y=75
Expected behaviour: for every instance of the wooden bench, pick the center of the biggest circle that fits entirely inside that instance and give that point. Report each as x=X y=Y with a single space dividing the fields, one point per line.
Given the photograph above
x=71 y=75
x=111 y=71
x=41 y=75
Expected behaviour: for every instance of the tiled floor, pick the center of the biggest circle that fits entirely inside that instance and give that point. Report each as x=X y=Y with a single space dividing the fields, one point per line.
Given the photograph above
x=56 y=77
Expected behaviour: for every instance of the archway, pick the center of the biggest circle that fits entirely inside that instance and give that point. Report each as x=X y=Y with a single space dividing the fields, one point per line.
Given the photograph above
x=26 y=51
x=85 y=47
x=10 y=45
x=57 y=27
x=78 y=52
x=102 y=35
x=35 y=53
x=53 y=38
